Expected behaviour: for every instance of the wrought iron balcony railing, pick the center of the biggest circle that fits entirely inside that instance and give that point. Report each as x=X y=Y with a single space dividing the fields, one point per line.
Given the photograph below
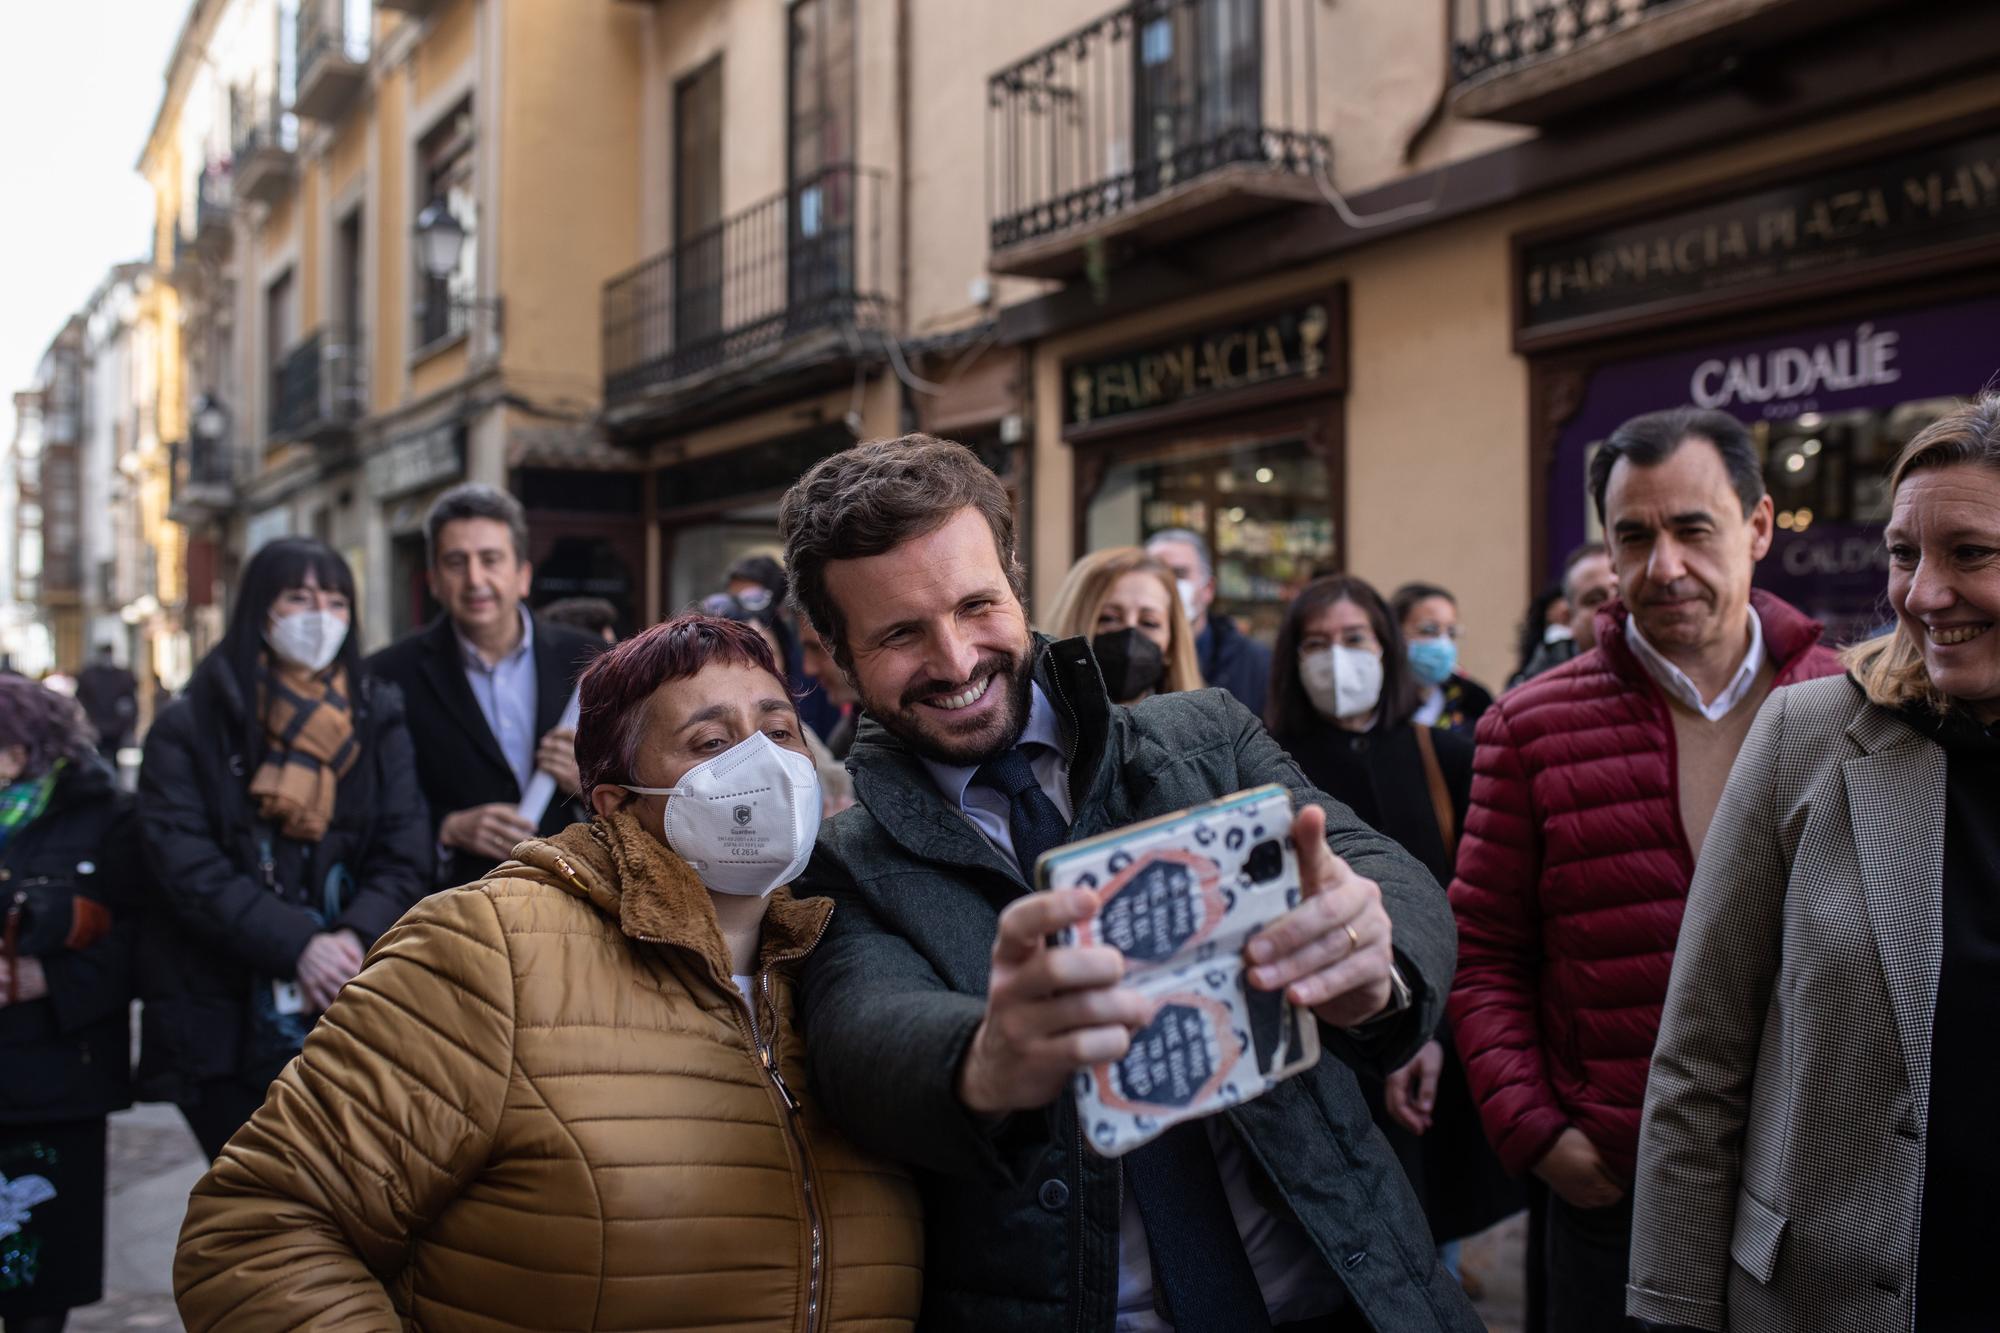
x=804 y=260
x=1490 y=35
x=201 y=480
x=1535 y=62
x=211 y=197
x=264 y=139
x=1154 y=96
x=317 y=391
x=333 y=41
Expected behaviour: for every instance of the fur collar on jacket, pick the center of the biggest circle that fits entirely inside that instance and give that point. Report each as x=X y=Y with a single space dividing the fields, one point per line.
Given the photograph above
x=630 y=876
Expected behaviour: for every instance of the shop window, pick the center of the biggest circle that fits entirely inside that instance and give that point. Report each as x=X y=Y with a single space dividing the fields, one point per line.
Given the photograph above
x=701 y=554
x=444 y=165
x=1266 y=510
x=586 y=567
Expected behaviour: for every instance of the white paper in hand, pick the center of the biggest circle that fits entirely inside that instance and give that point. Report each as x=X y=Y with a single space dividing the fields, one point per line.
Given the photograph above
x=541 y=786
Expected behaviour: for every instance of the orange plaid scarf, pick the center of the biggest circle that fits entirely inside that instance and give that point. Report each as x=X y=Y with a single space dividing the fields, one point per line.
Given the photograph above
x=309 y=728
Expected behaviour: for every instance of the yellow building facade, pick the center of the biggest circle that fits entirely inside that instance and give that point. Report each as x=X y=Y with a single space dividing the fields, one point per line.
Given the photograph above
x=1342 y=286
x=356 y=382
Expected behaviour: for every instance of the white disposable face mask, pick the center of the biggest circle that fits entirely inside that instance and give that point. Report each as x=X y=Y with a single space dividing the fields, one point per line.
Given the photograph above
x=1189 y=591
x=310 y=639
x=1342 y=681
x=746 y=819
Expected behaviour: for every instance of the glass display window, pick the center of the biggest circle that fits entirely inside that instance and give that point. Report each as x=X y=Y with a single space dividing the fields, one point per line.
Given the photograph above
x=1265 y=508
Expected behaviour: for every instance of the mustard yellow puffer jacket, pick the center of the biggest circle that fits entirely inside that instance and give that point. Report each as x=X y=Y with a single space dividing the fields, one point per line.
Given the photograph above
x=541 y=1106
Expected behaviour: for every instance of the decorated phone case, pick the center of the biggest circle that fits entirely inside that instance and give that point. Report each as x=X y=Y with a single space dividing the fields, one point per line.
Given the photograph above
x=1179 y=896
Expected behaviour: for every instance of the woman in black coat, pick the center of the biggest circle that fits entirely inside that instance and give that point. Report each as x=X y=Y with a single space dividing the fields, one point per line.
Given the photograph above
x=1342 y=702
x=69 y=883
x=281 y=813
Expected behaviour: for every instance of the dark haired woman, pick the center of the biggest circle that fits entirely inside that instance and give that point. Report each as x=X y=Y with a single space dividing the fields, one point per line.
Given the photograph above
x=71 y=879
x=280 y=810
x=573 y=1094
x=1447 y=698
x=1343 y=700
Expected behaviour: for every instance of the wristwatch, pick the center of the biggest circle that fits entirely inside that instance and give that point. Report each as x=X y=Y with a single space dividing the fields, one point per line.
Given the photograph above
x=1400 y=998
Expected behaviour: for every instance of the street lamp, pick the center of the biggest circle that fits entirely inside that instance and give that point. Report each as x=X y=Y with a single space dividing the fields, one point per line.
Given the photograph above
x=440 y=243
x=211 y=419
x=440 y=239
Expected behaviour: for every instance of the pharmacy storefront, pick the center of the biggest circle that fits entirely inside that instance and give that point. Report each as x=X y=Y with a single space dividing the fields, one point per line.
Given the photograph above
x=1836 y=316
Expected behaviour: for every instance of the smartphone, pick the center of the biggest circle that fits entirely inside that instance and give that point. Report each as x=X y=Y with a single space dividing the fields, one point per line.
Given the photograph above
x=1179 y=896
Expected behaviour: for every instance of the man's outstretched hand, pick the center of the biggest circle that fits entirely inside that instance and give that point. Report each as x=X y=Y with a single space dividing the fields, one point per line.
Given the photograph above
x=1049 y=1011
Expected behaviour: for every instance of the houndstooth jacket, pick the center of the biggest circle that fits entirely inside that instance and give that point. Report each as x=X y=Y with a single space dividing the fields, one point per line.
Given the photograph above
x=1781 y=1154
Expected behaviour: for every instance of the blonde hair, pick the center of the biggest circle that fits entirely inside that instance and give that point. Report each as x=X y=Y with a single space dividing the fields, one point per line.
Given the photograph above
x=1088 y=584
x=1890 y=667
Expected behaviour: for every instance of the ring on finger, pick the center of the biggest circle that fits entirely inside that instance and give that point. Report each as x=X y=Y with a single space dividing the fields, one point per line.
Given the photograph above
x=1352 y=938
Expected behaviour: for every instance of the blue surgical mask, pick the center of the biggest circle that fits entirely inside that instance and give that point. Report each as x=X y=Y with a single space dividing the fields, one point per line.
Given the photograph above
x=1433 y=660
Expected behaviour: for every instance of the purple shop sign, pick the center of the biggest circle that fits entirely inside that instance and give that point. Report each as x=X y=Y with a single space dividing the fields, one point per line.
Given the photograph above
x=1833 y=570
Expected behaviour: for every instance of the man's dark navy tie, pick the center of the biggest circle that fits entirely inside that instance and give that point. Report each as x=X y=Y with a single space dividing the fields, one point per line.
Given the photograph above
x=1199 y=1266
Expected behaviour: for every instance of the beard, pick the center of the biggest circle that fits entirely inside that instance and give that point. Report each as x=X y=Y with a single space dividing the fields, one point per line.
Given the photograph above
x=930 y=735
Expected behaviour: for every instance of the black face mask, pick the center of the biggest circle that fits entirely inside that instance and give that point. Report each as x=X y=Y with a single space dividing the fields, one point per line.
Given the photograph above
x=1132 y=663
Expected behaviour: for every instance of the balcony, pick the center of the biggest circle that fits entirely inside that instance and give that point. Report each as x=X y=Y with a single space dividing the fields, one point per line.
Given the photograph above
x=1534 y=62
x=201 y=481
x=212 y=201
x=333 y=38
x=1160 y=120
x=778 y=288
x=317 y=392
x=265 y=140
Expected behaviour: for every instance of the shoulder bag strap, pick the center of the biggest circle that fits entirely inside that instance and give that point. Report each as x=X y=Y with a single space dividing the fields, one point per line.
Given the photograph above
x=1440 y=798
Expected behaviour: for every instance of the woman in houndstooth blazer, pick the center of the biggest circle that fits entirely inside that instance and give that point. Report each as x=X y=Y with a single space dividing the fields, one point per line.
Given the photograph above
x=1817 y=1153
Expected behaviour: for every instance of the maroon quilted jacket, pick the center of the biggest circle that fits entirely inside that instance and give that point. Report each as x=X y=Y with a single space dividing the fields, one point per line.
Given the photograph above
x=1572 y=875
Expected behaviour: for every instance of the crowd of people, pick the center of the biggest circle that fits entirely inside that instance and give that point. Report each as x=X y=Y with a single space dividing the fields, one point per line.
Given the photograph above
x=520 y=976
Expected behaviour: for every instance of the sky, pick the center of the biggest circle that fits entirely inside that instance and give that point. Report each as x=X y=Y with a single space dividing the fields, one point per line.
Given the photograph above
x=80 y=82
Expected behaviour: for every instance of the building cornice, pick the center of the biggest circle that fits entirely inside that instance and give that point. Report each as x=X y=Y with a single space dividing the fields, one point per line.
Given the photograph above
x=188 y=50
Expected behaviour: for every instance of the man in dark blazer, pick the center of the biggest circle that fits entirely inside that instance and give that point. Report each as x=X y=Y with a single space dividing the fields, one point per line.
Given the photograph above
x=486 y=685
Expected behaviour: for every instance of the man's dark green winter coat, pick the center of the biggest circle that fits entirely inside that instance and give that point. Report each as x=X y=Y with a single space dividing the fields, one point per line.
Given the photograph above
x=1021 y=1222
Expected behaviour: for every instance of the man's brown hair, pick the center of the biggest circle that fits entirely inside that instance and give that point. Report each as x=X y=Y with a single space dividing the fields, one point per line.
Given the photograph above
x=873 y=498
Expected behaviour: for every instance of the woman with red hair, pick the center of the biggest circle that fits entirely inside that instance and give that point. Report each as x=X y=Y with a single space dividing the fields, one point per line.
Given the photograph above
x=572 y=1094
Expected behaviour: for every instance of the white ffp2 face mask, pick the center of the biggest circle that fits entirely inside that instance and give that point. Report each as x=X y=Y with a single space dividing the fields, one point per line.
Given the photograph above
x=310 y=639
x=745 y=820
x=1342 y=681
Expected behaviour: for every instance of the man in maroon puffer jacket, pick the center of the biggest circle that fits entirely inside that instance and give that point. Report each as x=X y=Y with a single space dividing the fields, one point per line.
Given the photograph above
x=1593 y=787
